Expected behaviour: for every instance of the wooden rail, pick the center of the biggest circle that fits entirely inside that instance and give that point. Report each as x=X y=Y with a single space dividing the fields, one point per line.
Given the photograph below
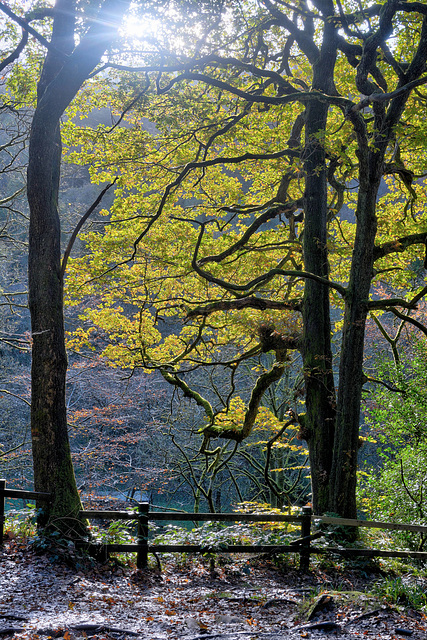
x=16 y=493
x=143 y=517
x=372 y=524
x=301 y=545
x=193 y=517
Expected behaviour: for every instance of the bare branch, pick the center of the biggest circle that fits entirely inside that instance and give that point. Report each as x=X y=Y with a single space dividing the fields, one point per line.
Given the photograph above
x=406 y=318
x=80 y=223
x=14 y=395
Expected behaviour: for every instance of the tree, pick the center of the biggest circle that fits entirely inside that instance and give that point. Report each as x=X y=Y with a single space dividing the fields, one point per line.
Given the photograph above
x=235 y=224
x=66 y=67
x=266 y=469
x=116 y=438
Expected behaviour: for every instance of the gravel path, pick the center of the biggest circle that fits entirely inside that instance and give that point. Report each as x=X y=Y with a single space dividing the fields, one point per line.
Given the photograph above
x=41 y=599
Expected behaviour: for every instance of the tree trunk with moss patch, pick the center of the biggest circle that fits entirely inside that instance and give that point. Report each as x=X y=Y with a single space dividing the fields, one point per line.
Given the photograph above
x=65 y=69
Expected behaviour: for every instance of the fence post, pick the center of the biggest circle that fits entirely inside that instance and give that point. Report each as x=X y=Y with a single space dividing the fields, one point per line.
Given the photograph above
x=304 y=558
x=142 y=555
x=2 y=499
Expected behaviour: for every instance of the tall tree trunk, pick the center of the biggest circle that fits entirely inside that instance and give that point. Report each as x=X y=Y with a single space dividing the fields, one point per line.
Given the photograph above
x=65 y=69
x=346 y=445
x=319 y=423
x=53 y=470
x=371 y=164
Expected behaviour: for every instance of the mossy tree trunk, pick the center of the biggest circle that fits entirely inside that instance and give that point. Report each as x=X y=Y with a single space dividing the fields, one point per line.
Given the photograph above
x=65 y=69
x=319 y=422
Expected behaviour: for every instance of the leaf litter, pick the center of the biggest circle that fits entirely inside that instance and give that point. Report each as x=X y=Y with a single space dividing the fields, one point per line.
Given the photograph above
x=40 y=599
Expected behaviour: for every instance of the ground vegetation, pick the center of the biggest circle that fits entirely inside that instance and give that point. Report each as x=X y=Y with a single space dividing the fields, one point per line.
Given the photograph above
x=71 y=596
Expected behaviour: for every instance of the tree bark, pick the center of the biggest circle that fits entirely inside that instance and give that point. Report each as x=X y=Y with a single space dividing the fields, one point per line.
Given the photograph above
x=346 y=444
x=319 y=421
x=65 y=69
x=371 y=163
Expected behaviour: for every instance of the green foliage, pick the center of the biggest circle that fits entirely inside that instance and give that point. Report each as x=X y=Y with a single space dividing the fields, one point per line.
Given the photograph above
x=399 y=416
x=214 y=535
x=396 y=491
x=20 y=523
x=117 y=531
x=402 y=591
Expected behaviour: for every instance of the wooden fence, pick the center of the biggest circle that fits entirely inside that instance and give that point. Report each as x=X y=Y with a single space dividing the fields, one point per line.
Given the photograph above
x=16 y=494
x=144 y=517
x=301 y=545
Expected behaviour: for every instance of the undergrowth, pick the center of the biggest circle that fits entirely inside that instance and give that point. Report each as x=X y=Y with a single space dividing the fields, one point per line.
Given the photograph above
x=402 y=582
x=402 y=590
x=20 y=524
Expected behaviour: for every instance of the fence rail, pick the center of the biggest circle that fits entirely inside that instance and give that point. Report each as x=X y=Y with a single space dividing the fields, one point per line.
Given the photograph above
x=143 y=517
x=372 y=524
x=301 y=545
x=192 y=517
x=16 y=493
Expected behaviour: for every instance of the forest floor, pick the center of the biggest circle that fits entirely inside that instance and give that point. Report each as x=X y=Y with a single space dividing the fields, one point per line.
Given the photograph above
x=248 y=600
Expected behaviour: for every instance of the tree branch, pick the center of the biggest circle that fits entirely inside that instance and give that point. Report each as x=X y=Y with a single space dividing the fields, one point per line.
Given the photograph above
x=384 y=384
x=399 y=245
x=251 y=302
x=377 y=98
x=24 y=24
x=402 y=316
x=391 y=302
x=272 y=212
x=80 y=223
x=264 y=381
x=173 y=379
x=262 y=279
x=202 y=165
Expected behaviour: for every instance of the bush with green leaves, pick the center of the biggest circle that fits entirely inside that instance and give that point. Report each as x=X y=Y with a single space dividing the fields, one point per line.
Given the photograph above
x=20 y=523
x=397 y=493
x=398 y=407
x=117 y=532
x=395 y=489
x=216 y=535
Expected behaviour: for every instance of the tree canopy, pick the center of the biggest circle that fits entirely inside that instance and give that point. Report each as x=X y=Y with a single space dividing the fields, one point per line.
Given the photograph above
x=268 y=161
x=268 y=166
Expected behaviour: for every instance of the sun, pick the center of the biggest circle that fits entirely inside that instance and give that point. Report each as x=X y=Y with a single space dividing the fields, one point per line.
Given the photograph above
x=139 y=29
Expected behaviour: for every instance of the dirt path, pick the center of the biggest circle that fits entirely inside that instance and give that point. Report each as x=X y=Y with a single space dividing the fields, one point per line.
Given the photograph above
x=41 y=599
